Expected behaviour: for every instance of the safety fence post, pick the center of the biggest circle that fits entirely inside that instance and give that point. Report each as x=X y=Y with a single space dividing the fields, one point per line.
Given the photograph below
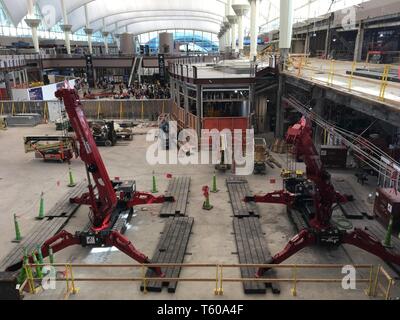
x=384 y=82
x=371 y=281
x=98 y=110
x=74 y=288
x=331 y=72
x=353 y=69
x=144 y=280
x=378 y=271
x=294 y=289
x=39 y=274
x=31 y=282
x=216 y=290
x=221 y=289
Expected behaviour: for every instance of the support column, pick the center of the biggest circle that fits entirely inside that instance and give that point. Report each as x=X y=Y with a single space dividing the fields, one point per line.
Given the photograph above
x=221 y=37
x=279 y=128
x=199 y=108
x=234 y=46
x=285 y=28
x=33 y=23
x=227 y=37
x=26 y=76
x=307 y=43
x=328 y=39
x=285 y=42
x=88 y=30
x=105 y=36
x=66 y=27
x=253 y=28
x=318 y=98
x=233 y=22
x=359 y=43
x=67 y=31
x=240 y=10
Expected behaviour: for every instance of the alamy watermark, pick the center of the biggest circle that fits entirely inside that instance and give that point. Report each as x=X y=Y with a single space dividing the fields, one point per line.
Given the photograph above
x=212 y=147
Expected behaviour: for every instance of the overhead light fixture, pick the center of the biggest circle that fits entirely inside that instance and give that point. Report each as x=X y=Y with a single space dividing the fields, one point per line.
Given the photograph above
x=381 y=35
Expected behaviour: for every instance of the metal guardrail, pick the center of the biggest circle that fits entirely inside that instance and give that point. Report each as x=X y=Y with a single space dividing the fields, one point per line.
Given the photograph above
x=374 y=286
x=302 y=63
x=116 y=109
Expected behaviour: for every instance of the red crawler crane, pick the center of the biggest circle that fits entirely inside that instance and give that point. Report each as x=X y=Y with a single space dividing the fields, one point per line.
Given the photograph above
x=319 y=190
x=109 y=201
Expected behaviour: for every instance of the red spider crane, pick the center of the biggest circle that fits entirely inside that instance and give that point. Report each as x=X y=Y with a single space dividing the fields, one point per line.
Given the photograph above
x=107 y=199
x=324 y=196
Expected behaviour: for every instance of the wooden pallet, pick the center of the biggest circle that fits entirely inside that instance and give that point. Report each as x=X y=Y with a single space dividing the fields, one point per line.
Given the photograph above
x=297 y=218
x=171 y=249
x=355 y=209
x=56 y=219
x=179 y=189
x=252 y=249
x=64 y=207
x=238 y=189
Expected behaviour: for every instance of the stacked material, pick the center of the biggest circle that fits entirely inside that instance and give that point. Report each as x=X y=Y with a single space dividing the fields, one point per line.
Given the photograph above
x=24 y=120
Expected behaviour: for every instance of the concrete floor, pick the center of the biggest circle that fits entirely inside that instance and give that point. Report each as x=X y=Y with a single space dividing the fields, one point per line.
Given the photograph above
x=23 y=178
x=318 y=70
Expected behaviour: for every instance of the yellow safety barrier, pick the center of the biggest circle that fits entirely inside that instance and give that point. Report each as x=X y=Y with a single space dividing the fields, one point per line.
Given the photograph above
x=373 y=281
x=46 y=112
x=331 y=72
x=121 y=110
x=98 y=110
x=384 y=82
x=353 y=69
x=317 y=70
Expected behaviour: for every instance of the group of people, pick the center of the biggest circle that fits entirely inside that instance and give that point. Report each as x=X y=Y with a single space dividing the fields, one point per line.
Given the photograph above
x=139 y=91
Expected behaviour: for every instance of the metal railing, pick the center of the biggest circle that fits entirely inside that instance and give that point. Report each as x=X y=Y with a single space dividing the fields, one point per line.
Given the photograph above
x=95 y=109
x=373 y=282
x=301 y=66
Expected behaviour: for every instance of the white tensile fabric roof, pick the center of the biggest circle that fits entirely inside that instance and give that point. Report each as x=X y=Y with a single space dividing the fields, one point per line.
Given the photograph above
x=119 y=15
x=140 y=16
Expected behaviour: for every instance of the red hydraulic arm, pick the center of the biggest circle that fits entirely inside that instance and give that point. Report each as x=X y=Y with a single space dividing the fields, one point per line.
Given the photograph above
x=104 y=203
x=324 y=198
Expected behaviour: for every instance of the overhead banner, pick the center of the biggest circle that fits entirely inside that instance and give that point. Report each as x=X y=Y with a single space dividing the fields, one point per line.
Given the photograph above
x=36 y=94
x=90 y=70
x=161 y=67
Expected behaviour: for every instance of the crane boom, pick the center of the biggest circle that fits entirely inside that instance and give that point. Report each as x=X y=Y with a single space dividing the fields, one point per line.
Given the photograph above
x=104 y=204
